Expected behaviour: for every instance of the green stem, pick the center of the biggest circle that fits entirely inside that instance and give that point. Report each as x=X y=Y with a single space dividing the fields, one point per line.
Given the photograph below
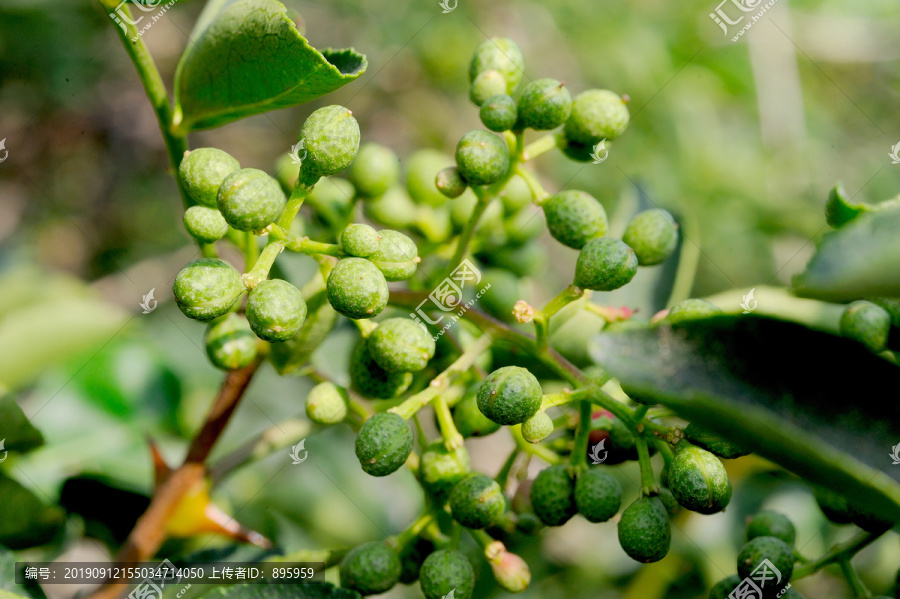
x=251 y=250
x=539 y=146
x=263 y=265
x=542 y=317
x=330 y=557
x=452 y=438
x=578 y=459
x=298 y=195
x=209 y=250
x=688 y=263
x=538 y=193
x=482 y=538
x=414 y=530
x=465 y=238
x=176 y=144
x=845 y=550
x=502 y=477
x=856 y=584
x=559 y=399
x=535 y=449
x=648 y=481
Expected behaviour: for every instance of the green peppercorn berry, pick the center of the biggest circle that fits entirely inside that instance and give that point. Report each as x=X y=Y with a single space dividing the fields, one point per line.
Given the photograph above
x=892 y=305
x=580 y=152
x=553 y=496
x=605 y=264
x=446 y=571
x=771 y=524
x=477 y=501
x=469 y=420
x=450 y=183
x=330 y=137
x=833 y=505
x=202 y=171
x=276 y=310
x=866 y=323
x=372 y=380
x=515 y=195
x=326 y=403
x=779 y=553
x=401 y=345
x=598 y=495
x=725 y=587
x=230 y=344
x=360 y=240
x=644 y=531
x=669 y=501
x=383 y=443
x=250 y=200
x=713 y=443
x=510 y=395
x=575 y=217
x=397 y=257
x=498 y=113
x=422 y=168
x=537 y=428
x=375 y=170
x=207 y=288
x=698 y=480
x=357 y=289
x=331 y=199
x=653 y=235
x=370 y=568
x=500 y=54
x=393 y=209
x=485 y=85
x=441 y=469
x=481 y=157
x=692 y=309
x=596 y=114
x=544 y=104
x=205 y=224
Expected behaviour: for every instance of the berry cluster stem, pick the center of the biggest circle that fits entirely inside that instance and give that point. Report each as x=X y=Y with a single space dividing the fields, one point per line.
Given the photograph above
x=648 y=481
x=451 y=436
x=856 y=584
x=538 y=193
x=539 y=146
x=536 y=449
x=578 y=459
x=842 y=551
x=542 y=317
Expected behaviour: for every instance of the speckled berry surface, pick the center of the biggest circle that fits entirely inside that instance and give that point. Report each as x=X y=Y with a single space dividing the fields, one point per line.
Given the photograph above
x=357 y=289
x=230 y=343
x=544 y=104
x=276 y=310
x=330 y=137
x=653 y=235
x=499 y=113
x=207 y=288
x=768 y=523
x=775 y=550
x=202 y=171
x=698 y=480
x=441 y=468
x=401 y=345
x=360 y=240
x=444 y=571
x=553 y=496
x=375 y=169
x=691 y=309
x=510 y=395
x=500 y=54
x=598 y=495
x=326 y=403
x=397 y=257
x=205 y=224
x=469 y=420
x=866 y=323
x=485 y=85
x=481 y=157
x=383 y=443
x=605 y=264
x=372 y=380
x=575 y=217
x=537 y=428
x=370 y=568
x=596 y=114
x=724 y=588
x=250 y=200
x=644 y=530
x=477 y=501
x=449 y=182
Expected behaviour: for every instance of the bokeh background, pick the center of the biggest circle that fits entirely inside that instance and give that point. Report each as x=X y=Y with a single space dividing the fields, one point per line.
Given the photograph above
x=740 y=140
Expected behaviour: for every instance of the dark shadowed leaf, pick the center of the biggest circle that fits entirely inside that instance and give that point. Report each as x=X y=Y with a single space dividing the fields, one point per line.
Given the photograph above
x=16 y=431
x=26 y=520
x=819 y=405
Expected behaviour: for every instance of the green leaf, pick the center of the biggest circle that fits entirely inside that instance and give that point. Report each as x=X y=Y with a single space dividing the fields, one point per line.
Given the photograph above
x=840 y=209
x=26 y=522
x=8 y=587
x=16 y=431
x=247 y=57
x=859 y=260
x=307 y=590
x=812 y=402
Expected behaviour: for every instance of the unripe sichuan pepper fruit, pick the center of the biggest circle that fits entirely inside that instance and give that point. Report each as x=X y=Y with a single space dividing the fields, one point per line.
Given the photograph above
x=444 y=572
x=230 y=343
x=276 y=310
x=330 y=136
x=544 y=104
x=867 y=323
x=360 y=240
x=605 y=264
x=397 y=257
x=326 y=403
x=652 y=235
x=207 y=288
x=375 y=170
x=370 y=568
x=450 y=183
x=202 y=171
x=775 y=550
x=477 y=501
x=510 y=395
x=205 y=224
x=400 y=345
x=372 y=380
x=440 y=469
x=499 y=113
x=553 y=496
x=499 y=54
x=357 y=289
x=481 y=157
x=596 y=114
x=698 y=480
x=250 y=200
x=598 y=495
x=644 y=531
x=383 y=443
x=771 y=524
x=575 y=217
